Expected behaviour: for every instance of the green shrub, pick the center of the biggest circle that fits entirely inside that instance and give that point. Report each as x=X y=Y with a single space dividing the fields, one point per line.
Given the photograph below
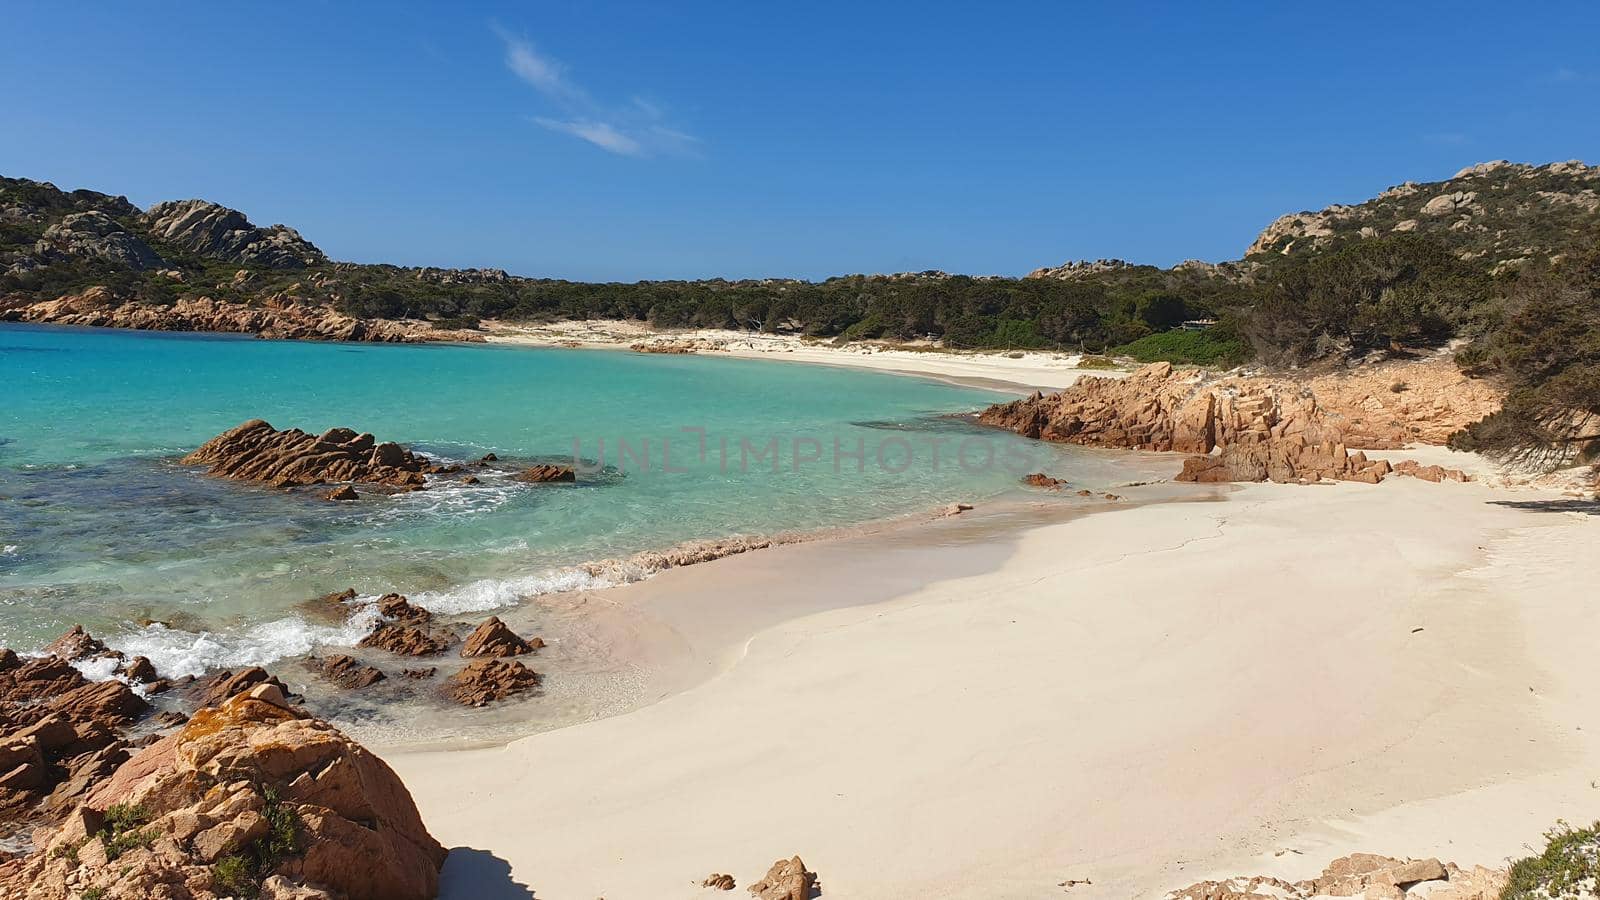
x=1569 y=867
x=241 y=873
x=122 y=829
x=231 y=875
x=1213 y=347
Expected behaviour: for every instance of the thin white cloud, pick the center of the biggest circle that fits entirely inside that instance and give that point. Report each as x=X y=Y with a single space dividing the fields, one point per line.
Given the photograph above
x=638 y=128
x=601 y=134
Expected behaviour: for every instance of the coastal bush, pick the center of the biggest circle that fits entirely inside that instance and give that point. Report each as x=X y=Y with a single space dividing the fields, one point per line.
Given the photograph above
x=1569 y=867
x=1216 y=346
x=1546 y=351
x=1401 y=290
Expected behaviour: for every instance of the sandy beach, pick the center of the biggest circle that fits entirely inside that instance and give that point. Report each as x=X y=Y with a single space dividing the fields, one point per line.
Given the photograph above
x=1025 y=370
x=1142 y=698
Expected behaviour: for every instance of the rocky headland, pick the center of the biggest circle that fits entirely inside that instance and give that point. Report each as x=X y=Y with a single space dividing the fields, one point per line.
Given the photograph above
x=1259 y=428
x=279 y=317
x=245 y=794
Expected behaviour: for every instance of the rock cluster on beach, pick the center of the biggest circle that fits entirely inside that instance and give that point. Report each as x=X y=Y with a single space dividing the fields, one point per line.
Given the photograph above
x=251 y=796
x=1267 y=429
x=255 y=451
x=1365 y=875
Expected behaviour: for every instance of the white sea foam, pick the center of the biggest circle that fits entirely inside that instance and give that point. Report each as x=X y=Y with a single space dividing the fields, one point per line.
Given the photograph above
x=493 y=593
x=10 y=549
x=176 y=652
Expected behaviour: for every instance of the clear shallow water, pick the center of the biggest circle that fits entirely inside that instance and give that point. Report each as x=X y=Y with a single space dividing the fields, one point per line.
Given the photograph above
x=100 y=525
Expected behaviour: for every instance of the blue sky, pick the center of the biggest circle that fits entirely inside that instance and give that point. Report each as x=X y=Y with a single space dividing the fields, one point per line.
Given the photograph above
x=607 y=140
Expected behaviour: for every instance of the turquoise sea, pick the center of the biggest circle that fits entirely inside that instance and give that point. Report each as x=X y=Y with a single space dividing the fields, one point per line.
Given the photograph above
x=99 y=524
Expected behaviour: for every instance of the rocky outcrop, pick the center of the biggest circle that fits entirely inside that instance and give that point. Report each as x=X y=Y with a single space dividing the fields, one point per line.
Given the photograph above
x=405 y=630
x=1155 y=408
x=345 y=671
x=273 y=318
x=788 y=879
x=1041 y=480
x=251 y=797
x=217 y=687
x=215 y=231
x=494 y=638
x=1290 y=460
x=1285 y=430
x=255 y=451
x=718 y=881
x=1501 y=212
x=1365 y=875
x=546 y=473
x=95 y=235
x=484 y=681
x=404 y=640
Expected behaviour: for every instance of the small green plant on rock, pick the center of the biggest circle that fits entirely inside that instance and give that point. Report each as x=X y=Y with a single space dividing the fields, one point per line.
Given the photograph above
x=241 y=873
x=122 y=829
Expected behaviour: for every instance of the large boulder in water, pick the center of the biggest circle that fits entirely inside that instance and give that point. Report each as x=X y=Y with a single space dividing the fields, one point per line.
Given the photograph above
x=255 y=451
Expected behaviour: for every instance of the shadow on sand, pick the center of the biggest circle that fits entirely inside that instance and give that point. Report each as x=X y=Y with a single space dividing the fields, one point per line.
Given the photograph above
x=1587 y=507
x=471 y=874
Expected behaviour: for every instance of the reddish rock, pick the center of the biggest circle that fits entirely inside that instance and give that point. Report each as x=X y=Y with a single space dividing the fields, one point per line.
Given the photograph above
x=346 y=672
x=140 y=669
x=544 y=473
x=419 y=673
x=1041 y=480
x=219 y=686
x=1434 y=474
x=788 y=879
x=718 y=881
x=76 y=644
x=471 y=479
x=281 y=316
x=404 y=640
x=399 y=609
x=494 y=638
x=484 y=681
x=342 y=493
x=1359 y=875
x=206 y=791
x=255 y=451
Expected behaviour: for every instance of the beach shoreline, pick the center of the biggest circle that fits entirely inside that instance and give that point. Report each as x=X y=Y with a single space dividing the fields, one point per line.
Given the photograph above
x=999 y=371
x=928 y=708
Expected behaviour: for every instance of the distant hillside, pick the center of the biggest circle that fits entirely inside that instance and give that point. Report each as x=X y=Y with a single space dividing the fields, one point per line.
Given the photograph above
x=1415 y=266
x=1498 y=213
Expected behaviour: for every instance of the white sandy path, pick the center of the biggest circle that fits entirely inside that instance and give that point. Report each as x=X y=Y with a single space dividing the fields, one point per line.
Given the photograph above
x=1142 y=698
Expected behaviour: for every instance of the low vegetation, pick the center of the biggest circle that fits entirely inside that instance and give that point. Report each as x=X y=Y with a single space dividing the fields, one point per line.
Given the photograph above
x=124 y=830
x=1568 y=869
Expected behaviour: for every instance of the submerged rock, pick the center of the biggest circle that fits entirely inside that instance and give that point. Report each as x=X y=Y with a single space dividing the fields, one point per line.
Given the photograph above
x=404 y=640
x=484 y=681
x=346 y=672
x=544 y=473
